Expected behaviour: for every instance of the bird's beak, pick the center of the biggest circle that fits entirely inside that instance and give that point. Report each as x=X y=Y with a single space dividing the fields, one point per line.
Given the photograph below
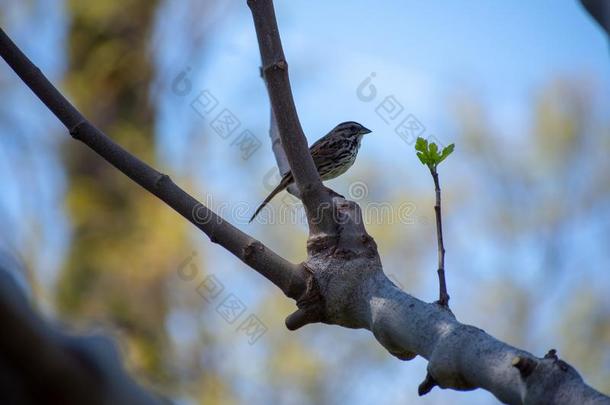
x=365 y=131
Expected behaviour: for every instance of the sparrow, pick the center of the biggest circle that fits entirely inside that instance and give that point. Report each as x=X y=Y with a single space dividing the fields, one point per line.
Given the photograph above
x=333 y=155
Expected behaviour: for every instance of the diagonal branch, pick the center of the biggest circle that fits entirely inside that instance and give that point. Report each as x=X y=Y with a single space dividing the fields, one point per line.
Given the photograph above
x=600 y=11
x=316 y=198
x=287 y=276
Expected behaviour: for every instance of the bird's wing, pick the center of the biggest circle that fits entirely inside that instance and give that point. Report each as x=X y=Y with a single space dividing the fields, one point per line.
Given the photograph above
x=322 y=150
x=316 y=144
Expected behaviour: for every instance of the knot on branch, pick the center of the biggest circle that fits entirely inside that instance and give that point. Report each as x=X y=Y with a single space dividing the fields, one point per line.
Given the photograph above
x=448 y=370
x=350 y=239
x=310 y=304
x=525 y=365
x=251 y=250
x=552 y=355
x=443 y=302
x=549 y=376
x=367 y=245
x=426 y=385
x=162 y=178
x=317 y=244
x=75 y=130
x=281 y=65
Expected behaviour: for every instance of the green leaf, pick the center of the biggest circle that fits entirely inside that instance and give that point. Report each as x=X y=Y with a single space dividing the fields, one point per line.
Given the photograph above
x=421 y=145
x=446 y=152
x=433 y=153
x=428 y=153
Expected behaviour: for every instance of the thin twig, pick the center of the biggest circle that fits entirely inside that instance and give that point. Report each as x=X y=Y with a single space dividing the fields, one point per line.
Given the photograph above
x=443 y=299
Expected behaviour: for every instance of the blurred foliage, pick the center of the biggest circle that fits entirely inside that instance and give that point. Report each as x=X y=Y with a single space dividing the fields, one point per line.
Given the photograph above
x=564 y=148
x=125 y=243
x=543 y=200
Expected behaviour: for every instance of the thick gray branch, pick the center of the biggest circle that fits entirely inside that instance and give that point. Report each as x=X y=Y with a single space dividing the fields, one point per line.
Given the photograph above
x=287 y=276
x=464 y=357
x=350 y=289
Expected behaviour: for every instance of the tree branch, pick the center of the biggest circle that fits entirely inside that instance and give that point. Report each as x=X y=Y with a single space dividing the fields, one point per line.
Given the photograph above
x=443 y=298
x=287 y=276
x=464 y=357
x=600 y=11
x=316 y=198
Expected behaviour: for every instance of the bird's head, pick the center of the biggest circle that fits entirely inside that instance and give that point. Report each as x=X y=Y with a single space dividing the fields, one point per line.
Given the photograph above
x=351 y=129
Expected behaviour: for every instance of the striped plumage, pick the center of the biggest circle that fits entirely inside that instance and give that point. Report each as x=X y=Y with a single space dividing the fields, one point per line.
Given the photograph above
x=332 y=154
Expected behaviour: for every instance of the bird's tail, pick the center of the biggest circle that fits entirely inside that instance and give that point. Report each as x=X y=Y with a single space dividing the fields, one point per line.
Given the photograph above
x=286 y=180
